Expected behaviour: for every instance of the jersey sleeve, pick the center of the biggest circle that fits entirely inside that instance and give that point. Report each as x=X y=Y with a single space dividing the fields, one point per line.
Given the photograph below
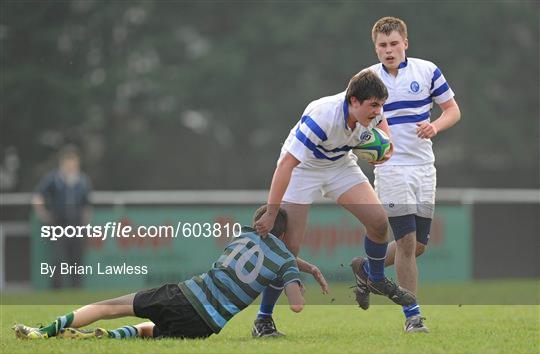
x=311 y=131
x=289 y=273
x=439 y=90
x=87 y=189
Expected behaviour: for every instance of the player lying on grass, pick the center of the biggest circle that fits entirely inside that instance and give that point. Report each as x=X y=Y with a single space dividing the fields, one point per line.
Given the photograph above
x=201 y=306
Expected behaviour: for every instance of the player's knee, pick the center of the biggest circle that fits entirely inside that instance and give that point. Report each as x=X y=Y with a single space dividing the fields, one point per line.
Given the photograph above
x=420 y=249
x=146 y=329
x=378 y=230
x=407 y=245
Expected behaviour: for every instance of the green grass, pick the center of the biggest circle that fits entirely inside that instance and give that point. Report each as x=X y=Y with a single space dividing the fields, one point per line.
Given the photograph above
x=486 y=292
x=318 y=329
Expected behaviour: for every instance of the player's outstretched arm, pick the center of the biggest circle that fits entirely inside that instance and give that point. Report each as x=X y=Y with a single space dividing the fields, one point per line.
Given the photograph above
x=306 y=267
x=294 y=292
x=280 y=181
x=450 y=116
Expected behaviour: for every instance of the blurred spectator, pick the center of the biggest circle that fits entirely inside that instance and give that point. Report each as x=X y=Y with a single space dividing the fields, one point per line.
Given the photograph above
x=8 y=169
x=62 y=198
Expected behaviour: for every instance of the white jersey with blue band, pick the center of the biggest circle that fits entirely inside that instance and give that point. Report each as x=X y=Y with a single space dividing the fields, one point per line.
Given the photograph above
x=322 y=137
x=411 y=94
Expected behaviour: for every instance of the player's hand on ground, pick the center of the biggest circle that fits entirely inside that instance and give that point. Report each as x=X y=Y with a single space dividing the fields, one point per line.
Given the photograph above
x=426 y=130
x=386 y=156
x=319 y=277
x=264 y=224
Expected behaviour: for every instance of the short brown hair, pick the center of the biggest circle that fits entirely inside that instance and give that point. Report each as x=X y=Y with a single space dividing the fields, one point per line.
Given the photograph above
x=68 y=152
x=365 y=85
x=388 y=24
x=280 y=225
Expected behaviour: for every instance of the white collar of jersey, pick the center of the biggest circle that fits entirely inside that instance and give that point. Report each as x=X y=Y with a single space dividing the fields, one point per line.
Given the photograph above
x=345 y=112
x=401 y=65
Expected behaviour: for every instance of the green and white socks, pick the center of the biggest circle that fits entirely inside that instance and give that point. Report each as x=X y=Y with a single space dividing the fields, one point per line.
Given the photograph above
x=61 y=322
x=65 y=321
x=123 y=332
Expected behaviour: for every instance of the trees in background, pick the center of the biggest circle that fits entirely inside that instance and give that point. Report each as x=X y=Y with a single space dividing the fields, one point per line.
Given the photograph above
x=188 y=95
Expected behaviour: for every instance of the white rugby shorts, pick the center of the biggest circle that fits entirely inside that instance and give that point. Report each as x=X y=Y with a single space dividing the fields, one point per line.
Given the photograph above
x=405 y=190
x=307 y=183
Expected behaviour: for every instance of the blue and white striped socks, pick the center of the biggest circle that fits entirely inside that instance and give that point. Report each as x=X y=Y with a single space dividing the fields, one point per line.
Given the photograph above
x=411 y=310
x=123 y=332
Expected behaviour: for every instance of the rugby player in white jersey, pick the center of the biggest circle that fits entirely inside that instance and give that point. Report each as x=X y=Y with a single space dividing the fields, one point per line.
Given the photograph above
x=406 y=183
x=316 y=158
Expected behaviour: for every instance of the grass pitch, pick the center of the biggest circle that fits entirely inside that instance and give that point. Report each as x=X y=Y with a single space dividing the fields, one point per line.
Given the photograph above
x=318 y=329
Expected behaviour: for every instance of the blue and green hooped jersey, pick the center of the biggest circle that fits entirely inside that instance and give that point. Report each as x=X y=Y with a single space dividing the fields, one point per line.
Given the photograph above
x=248 y=265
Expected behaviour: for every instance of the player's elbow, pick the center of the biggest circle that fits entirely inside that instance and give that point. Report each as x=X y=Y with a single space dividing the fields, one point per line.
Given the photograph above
x=298 y=304
x=296 y=307
x=457 y=113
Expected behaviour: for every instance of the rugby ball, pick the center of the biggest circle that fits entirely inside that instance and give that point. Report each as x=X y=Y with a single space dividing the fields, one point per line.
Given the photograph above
x=374 y=144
